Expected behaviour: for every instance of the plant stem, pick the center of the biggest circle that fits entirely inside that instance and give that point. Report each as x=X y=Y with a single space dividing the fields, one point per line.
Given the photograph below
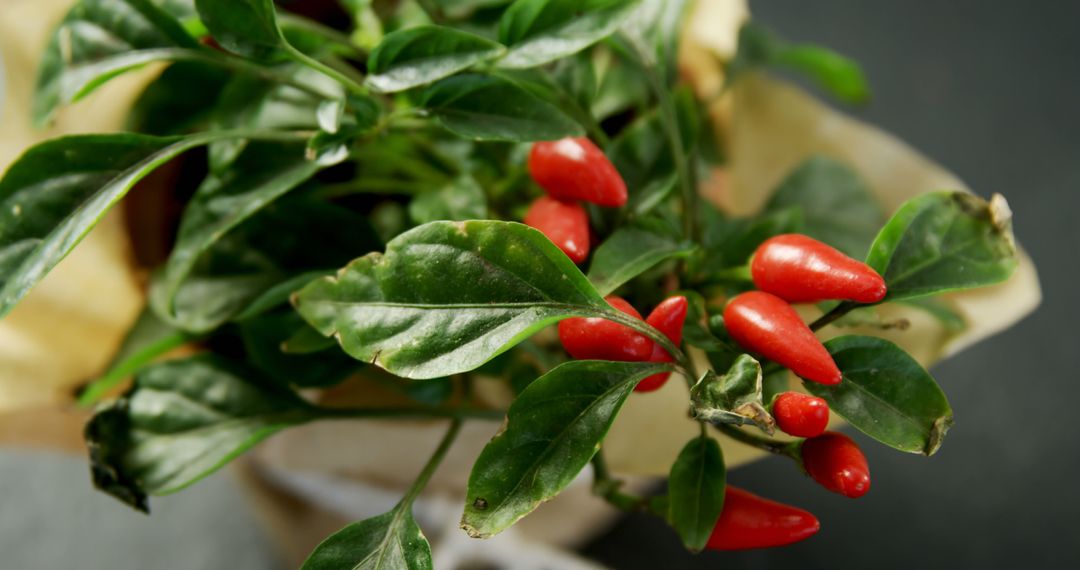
x=96 y=390
x=326 y=70
x=432 y=465
x=369 y=186
x=785 y=448
x=323 y=31
x=431 y=9
x=740 y=273
x=606 y=487
x=670 y=122
x=836 y=312
x=241 y=65
x=409 y=413
x=343 y=66
x=684 y=364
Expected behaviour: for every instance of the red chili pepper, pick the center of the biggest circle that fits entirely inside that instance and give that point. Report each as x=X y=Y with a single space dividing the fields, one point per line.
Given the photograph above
x=566 y=224
x=749 y=521
x=800 y=269
x=594 y=338
x=576 y=169
x=668 y=317
x=766 y=324
x=800 y=415
x=835 y=461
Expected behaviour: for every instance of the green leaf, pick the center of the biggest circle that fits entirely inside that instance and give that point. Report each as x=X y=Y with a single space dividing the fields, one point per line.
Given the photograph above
x=263 y=173
x=462 y=199
x=886 y=394
x=734 y=398
x=728 y=242
x=835 y=73
x=696 y=490
x=256 y=103
x=390 y=541
x=837 y=206
x=629 y=252
x=942 y=310
x=181 y=421
x=944 y=241
x=489 y=107
x=552 y=431
x=306 y=340
x=462 y=9
x=539 y=31
x=278 y=294
x=180 y=100
x=619 y=87
x=260 y=254
x=100 y=39
x=245 y=27
x=182 y=10
x=424 y=54
x=642 y=156
x=55 y=193
x=367 y=27
x=448 y=296
x=695 y=330
x=659 y=24
x=264 y=341
x=576 y=76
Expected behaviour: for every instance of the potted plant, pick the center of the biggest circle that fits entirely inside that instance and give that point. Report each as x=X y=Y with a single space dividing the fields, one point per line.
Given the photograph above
x=349 y=245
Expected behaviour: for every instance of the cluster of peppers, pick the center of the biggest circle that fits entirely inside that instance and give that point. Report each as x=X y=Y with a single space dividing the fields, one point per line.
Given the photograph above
x=785 y=269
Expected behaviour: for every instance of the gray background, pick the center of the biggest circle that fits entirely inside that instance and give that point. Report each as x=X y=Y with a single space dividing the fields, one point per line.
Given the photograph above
x=988 y=88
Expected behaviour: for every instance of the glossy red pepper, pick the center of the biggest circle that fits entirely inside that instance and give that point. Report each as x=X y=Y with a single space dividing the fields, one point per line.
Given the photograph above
x=749 y=521
x=600 y=339
x=566 y=224
x=668 y=317
x=800 y=415
x=766 y=324
x=835 y=461
x=576 y=169
x=800 y=269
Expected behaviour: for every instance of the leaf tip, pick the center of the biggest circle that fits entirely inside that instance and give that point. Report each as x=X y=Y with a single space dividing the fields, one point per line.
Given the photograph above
x=470 y=529
x=1001 y=218
x=937 y=434
x=104 y=431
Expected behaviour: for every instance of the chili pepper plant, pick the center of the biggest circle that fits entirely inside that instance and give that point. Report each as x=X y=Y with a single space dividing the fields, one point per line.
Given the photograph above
x=358 y=187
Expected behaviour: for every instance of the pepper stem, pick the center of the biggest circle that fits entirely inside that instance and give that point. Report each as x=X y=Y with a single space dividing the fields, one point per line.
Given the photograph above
x=607 y=487
x=836 y=312
x=789 y=449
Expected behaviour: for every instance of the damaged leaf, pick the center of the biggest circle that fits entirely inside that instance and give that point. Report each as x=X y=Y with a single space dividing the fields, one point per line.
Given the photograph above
x=734 y=398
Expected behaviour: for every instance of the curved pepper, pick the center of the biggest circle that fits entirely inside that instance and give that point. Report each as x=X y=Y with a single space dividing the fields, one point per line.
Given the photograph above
x=566 y=224
x=800 y=269
x=766 y=324
x=835 y=461
x=593 y=338
x=749 y=521
x=576 y=169
x=668 y=317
